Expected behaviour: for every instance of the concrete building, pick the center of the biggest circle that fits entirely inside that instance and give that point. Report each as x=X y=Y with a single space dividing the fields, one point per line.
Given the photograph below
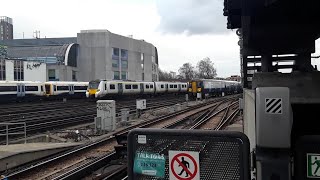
x=94 y=54
x=105 y=55
x=6 y=28
x=59 y=55
x=18 y=70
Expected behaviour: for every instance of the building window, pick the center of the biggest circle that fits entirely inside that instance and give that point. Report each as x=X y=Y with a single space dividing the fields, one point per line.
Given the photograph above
x=51 y=74
x=74 y=76
x=124 y=54
x=2 y=70
x=115 y=63
x=116 y=75
x=18 y=71
x=142 y=77
x=142 y=56
x=115 y=53
x=123 y=75
x=124 y=64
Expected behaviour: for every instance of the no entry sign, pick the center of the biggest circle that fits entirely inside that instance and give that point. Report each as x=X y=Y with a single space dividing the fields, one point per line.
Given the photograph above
x=184 y=165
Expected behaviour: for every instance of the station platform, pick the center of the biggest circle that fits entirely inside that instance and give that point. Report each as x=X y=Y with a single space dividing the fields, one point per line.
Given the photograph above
x=17 y=154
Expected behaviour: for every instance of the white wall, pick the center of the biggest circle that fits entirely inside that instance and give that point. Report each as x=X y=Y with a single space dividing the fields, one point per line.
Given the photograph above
x=9 y=70
x=35 y=71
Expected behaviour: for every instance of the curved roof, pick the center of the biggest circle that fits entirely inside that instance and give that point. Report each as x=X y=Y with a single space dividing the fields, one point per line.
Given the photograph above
x=37 y=51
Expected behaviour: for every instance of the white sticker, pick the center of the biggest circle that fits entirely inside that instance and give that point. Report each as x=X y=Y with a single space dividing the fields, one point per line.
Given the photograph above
x=142 y=139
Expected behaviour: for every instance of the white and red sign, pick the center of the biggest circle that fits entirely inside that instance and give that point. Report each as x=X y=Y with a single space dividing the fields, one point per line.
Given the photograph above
x=184 y=165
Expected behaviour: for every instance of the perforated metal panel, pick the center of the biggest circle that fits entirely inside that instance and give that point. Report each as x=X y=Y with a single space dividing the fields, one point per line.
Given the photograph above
x=222 y=155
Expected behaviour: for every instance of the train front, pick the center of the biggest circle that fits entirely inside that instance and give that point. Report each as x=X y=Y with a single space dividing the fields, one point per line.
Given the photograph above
x=194 y=88
x=93 y=89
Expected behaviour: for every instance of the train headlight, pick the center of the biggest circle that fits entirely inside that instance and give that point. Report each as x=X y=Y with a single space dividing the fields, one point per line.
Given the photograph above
x=98 y=90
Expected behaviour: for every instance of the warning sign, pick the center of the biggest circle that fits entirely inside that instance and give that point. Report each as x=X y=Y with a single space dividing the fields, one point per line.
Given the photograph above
x=184 y=165
x=313 y=165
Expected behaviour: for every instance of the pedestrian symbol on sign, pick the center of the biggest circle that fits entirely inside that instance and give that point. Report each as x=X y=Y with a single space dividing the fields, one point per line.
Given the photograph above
x=313 y=165
x=184 y=165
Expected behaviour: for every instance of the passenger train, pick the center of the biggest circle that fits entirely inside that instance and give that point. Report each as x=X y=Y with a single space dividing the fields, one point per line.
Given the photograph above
x=17 y=90
x=213 y=87
x=102 y=88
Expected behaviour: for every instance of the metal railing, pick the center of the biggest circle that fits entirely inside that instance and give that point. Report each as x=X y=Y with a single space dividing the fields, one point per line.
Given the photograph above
x=15 y=130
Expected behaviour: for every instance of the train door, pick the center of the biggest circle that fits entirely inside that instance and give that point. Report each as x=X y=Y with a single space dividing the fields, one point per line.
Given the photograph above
x=120 y=88
x=167 y=88
x=20 y=90
x=71 y=89
x=179 y=87
x=48 y=89
x=141 y=88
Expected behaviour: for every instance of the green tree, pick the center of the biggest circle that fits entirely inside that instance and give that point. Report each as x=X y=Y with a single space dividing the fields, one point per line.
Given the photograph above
x=206 y=69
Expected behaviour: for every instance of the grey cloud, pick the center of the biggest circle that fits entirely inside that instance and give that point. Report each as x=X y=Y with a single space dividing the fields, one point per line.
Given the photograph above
x=192 y=16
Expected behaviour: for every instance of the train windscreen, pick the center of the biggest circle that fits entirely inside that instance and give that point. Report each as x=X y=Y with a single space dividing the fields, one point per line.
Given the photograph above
x=94 y=84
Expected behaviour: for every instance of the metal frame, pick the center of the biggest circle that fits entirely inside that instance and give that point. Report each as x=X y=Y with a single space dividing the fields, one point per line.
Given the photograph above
x=17 y=133
x=196 y=134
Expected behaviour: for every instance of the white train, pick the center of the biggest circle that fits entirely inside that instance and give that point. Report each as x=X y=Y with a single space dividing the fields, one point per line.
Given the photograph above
x=101 y=88
x=15 y=90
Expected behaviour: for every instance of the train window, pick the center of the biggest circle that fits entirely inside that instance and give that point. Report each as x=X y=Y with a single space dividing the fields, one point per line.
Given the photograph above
x=62 y=88
x=31 y=88
x=162 y=86
x=41 y=88
x=147 y=86
x=112 y=86
x=127 y=86
x=105 y=86
x=80 y=87
x=175 y=86
x=171 y=86
x=54 y=88
x=151 y=86
x=8 y=88
x=134 y=86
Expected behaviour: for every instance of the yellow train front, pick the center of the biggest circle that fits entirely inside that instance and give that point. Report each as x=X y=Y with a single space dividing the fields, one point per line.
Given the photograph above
x=195 y=86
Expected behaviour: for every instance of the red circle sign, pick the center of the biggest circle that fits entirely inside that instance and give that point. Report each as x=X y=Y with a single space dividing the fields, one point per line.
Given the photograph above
x=191 y=175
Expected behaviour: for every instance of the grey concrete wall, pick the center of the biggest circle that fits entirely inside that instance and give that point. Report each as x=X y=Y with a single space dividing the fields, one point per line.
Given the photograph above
x=249 y=114
x=63 y=73
x=95 y=55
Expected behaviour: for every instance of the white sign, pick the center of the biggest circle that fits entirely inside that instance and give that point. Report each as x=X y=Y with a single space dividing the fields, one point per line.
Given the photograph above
x=184 y=165
x=142 y=139
x=141 y=104
x=313 y=165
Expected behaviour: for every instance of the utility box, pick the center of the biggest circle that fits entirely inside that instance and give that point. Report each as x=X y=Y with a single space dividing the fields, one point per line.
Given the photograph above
x=106 y=110
x=141 y=104
x=273 y=117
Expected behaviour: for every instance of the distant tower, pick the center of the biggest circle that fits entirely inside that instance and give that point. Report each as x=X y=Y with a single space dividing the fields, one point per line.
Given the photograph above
x=6 y=28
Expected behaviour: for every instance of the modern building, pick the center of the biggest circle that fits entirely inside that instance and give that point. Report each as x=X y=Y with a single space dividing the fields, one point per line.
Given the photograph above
x=93 y=54
x=59 y=55
x=6 y=28
x=105 y=55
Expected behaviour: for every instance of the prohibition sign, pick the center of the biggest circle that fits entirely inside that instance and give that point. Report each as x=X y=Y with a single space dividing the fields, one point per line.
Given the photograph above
x=191 y=174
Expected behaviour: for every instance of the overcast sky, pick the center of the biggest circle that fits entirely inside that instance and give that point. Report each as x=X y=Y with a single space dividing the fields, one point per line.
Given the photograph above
x=182 y=30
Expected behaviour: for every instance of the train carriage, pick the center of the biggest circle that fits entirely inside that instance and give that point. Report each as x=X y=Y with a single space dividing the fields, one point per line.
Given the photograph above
x=65 y=88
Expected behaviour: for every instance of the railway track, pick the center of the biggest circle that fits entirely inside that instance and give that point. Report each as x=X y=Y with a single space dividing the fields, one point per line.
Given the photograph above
x=68 y=164
x=81 y=112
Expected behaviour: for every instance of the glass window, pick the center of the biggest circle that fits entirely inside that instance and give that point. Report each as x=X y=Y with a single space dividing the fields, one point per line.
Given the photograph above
x=124 y=64
x=2 y=70
x=112 y=86
x=147 y=86
x=124 y=54
x=115 y=53
x=151 y=86
x=162 y=86
x=123 y=75
x=171 y=86
x=142 y=76
x=62 y=88
x=116 y=75
x=31 y=88
x=134 y=86
x=52 y=74
x=8 y=88
x=142 y=67
x=115 y=63
x=175 y=86
x=18 y=73
x=80 y=87
x=142 y=56
x=74 y=77
x=127 y=86
x=105 y=86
